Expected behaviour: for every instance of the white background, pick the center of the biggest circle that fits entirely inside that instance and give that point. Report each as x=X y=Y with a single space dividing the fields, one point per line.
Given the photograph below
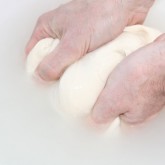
x=32 y=133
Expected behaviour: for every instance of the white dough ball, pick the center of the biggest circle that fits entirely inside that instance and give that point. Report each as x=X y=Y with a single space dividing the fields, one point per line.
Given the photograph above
x=82 y=82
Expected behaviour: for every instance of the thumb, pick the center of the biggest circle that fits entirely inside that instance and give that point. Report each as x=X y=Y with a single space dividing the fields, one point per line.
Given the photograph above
x=106 y=108
x=67 y=52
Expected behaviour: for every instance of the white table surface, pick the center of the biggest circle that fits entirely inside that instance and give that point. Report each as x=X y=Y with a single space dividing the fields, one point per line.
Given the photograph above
x=32 y=133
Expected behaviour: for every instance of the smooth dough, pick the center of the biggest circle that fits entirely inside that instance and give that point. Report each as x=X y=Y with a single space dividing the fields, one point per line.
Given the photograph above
x=79 y=87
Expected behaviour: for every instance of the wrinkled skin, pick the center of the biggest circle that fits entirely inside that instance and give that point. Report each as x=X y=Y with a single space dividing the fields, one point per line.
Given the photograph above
x=135 y=89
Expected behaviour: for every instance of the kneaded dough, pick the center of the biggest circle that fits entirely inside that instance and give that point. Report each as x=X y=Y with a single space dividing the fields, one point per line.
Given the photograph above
x=79 y=87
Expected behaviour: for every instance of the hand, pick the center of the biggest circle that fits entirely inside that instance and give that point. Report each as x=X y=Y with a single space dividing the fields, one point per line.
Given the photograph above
x=135 y=90
x=83 y=26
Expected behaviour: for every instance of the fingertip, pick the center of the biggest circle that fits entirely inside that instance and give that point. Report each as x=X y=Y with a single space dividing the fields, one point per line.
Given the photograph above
x=47 y=72
x=28 y=48
x=100 y=113
x=97 y=117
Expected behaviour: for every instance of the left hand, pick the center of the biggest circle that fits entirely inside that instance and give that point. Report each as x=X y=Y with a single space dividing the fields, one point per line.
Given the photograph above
x=83 y=26
x=135 y=90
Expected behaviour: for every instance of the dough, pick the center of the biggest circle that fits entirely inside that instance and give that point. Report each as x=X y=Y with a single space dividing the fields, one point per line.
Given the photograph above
x=79 y=87
x=42 y=49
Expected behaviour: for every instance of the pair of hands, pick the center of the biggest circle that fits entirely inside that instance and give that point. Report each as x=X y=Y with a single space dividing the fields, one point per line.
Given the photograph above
x=135 y=91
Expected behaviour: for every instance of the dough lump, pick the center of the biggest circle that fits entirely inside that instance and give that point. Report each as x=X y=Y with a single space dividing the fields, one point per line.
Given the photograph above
x=79 y=87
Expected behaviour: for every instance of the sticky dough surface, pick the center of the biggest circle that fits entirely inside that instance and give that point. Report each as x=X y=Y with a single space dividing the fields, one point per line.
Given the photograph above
x=80 y=85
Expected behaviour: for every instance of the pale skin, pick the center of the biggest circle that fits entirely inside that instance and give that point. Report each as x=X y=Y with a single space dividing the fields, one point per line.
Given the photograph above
x=135 y=91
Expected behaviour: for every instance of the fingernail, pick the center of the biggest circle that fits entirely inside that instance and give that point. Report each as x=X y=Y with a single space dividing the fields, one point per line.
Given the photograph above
x=45 y=71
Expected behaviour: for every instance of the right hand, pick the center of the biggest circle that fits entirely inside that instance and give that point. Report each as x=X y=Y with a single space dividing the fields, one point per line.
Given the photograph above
x=83 y=26
x=135 y=90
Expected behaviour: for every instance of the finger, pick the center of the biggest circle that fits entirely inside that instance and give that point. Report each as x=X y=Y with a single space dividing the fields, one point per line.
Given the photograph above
x=106 y=108
x=68 y=51
x=41 y=31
